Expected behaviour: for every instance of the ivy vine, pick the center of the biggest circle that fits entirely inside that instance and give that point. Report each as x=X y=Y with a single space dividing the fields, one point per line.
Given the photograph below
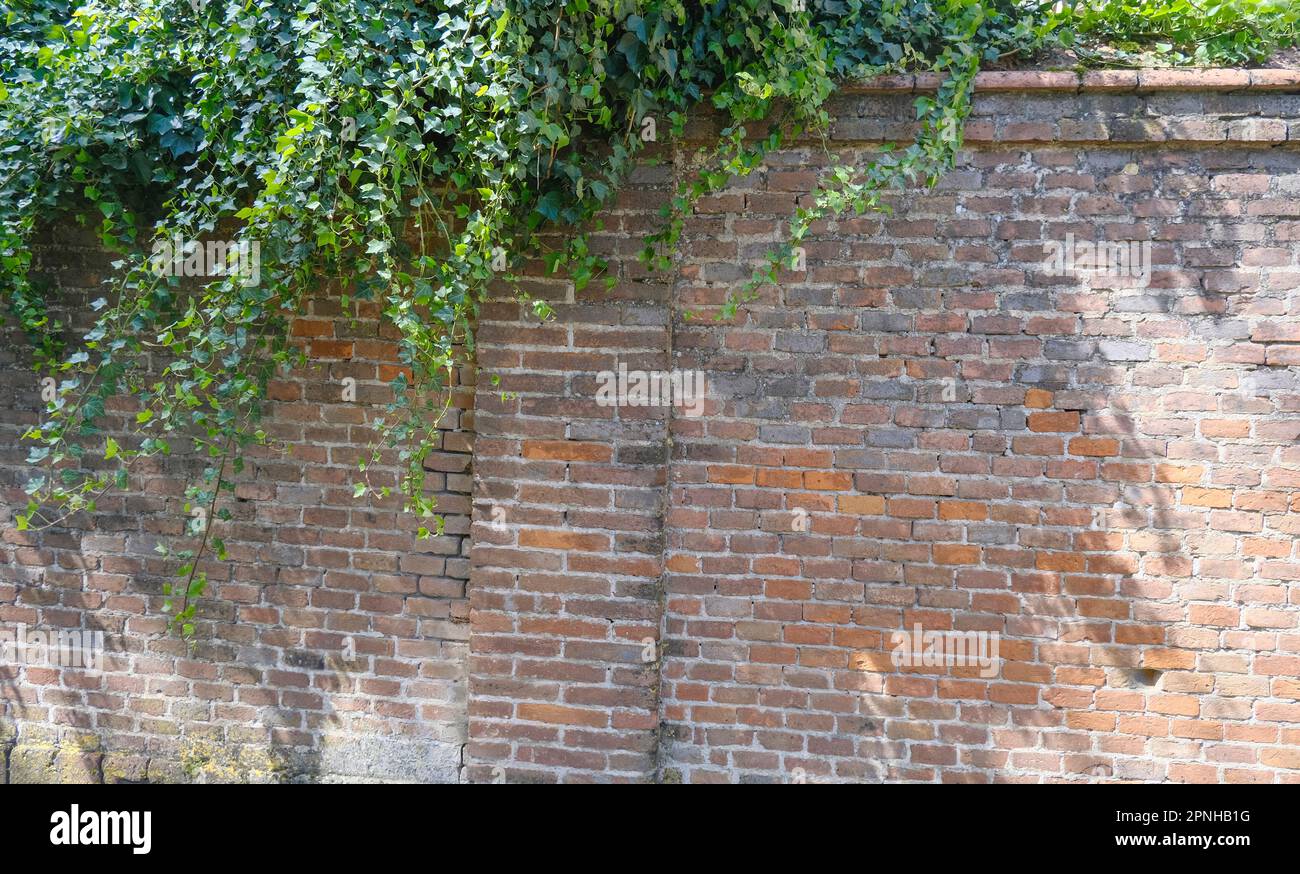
x=415 y=153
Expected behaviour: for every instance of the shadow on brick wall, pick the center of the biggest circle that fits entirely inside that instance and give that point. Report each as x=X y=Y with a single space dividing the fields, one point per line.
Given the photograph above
x=332 y=644
x=923 y=428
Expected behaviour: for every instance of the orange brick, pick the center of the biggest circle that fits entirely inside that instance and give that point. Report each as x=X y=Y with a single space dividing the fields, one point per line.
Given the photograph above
x=837 y=614
x=1169 y=659
x=1198 y=728
x=1059 y=561
x=779 y=479
x=1139 y=634
x=1199 y=497
x=1134 y=473
x=1103 y=608
x=1265 y=547
x=557 y=715
x=807 y=458
x=1004 y=693
x=1038 y=398
x=1150 y=726
x=791 y=590
x=543 y=538
x=1098 y=540
x=862 y=505
x=562 y=627
x=1214 y=614
x=776 y=655
x=911 y=508
x=567 y=450
x=732 y=474
x=827 y=481
x=1096 y=447
x=963 y=510
x=1087 y=721
x=1267 y=502
x=1175 y=705
x=1225 y=427
x=313 y=328
x=1181 y=772
x=1281 y=757
x=955 y=553
x=331 y=349
x=870 y=660
x=1179 y=473
x=1054 y=421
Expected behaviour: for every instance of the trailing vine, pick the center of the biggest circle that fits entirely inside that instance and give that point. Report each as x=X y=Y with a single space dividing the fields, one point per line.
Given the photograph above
x=416 y=153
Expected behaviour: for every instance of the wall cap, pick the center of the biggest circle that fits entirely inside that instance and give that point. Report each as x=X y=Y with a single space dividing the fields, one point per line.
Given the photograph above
x=1146 y=80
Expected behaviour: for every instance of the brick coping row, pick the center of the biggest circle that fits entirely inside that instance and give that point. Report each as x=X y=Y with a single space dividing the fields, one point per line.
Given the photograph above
x=1114 y=81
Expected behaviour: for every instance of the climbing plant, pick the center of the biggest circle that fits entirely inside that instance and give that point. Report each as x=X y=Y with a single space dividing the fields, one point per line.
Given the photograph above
x=414 y=153
x=1209 y=32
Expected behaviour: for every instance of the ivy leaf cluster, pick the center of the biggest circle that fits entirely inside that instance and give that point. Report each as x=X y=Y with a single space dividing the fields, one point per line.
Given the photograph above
x=416 y=154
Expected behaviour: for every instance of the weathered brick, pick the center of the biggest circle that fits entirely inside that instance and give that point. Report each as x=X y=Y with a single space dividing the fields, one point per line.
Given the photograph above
x=925 y=428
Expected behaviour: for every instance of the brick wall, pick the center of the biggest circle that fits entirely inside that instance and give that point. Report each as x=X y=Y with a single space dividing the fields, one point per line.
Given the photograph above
x=334 y=645
x=922 y=428
x=569 y=498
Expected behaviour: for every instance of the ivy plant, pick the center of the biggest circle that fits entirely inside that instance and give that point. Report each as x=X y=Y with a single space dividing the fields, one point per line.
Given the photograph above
x=414 y=153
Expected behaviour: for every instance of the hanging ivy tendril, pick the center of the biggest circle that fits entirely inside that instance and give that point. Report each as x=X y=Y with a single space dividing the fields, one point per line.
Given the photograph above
x=413 y=153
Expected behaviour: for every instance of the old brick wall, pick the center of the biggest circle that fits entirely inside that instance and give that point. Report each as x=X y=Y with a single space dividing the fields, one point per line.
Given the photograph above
x=333 y=647
x=1106 y=478
x=568 y=539
x=921 y=428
